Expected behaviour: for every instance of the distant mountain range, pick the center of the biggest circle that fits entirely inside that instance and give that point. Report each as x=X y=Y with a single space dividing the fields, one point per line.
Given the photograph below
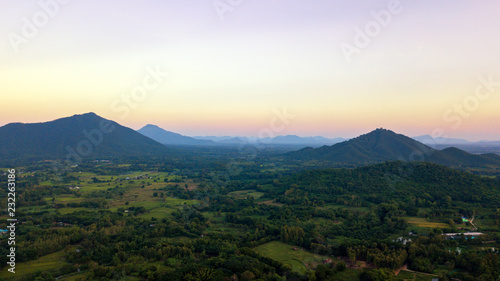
x=78 y=136
x=169 y=138
x=439 y=142
x=384 y=145
x=426 y=139
x=478 y=147
x=278 y=140
x=91 y=136
x=292 y=139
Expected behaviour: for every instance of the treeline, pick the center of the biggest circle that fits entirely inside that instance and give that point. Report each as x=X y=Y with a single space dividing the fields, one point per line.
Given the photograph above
x=415 y=184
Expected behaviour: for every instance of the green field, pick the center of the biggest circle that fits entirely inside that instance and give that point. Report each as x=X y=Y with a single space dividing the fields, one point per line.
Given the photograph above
x=246 y=193
x=299 y=260
x=64 y=199
x=138 y=191
x=35 y=209
x=48 y=262
x=413 y=276
x=65 y=211
x=159 y=213
x=422 y=222
x=172 y=202
x=74 y=277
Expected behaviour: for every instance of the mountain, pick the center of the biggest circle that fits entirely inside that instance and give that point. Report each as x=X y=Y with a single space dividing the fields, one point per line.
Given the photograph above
x=479 y=147
x=385 y=145
x=377 y=146
x=169 y=138
x=426 y=139
x=453 y=156
x=489 y=143
x=73 y=138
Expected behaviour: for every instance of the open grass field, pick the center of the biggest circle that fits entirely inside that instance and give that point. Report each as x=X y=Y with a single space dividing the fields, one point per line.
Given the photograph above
x=422 y=222
x=74 y=277
x=246 y=193
x=148 y=205
x=172 y=202
x=140 y=189
x=271 y=203
x=413 y=276
x=79 y=276
x=64 y=199
x=36 y=209
x=48 y=262
x=133 y=179
x=159 y=213
x=65 y=211
x=299 y=260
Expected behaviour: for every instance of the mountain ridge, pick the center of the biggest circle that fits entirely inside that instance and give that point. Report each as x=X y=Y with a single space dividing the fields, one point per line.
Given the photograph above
x=384 y=145
x=170 y=138
x=81 y=135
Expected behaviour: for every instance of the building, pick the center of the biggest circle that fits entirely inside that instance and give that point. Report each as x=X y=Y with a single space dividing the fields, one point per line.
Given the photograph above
x=470 y=235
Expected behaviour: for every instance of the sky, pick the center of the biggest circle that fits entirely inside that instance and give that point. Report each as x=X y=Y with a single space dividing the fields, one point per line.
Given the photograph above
x=256 y=68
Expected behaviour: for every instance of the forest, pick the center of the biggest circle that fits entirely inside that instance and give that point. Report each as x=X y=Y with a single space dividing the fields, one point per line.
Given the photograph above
x=221 y=214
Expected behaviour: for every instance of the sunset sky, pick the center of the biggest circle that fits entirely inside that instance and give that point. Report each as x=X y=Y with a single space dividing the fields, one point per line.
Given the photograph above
x=426 y=65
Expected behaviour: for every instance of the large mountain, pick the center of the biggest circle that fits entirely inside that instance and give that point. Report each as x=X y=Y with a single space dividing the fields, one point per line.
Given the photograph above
x=162 y=136
x=78 y=136
x=384 y=145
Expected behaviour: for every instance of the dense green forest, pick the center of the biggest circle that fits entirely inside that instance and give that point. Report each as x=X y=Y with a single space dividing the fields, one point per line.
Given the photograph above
x=224 y=214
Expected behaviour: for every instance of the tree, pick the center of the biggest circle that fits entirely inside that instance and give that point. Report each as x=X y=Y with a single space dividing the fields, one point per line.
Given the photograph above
x=351 y=253
x=340 y=266
x=376 y=275
x=247 y=275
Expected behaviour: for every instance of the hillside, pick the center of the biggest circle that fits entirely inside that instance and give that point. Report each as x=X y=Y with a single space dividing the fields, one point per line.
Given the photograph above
x=86 y=135
x=390 y=180
x=384 y=145
x=169 y=138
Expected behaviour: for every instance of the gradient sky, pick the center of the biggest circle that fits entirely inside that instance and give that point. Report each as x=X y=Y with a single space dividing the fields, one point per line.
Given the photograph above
x=228 y=76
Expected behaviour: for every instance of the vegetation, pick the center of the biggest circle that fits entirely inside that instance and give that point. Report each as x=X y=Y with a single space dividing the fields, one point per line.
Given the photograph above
x=221 y=214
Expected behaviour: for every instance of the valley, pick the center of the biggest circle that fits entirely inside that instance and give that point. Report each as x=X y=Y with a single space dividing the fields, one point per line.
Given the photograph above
x=273 y=222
